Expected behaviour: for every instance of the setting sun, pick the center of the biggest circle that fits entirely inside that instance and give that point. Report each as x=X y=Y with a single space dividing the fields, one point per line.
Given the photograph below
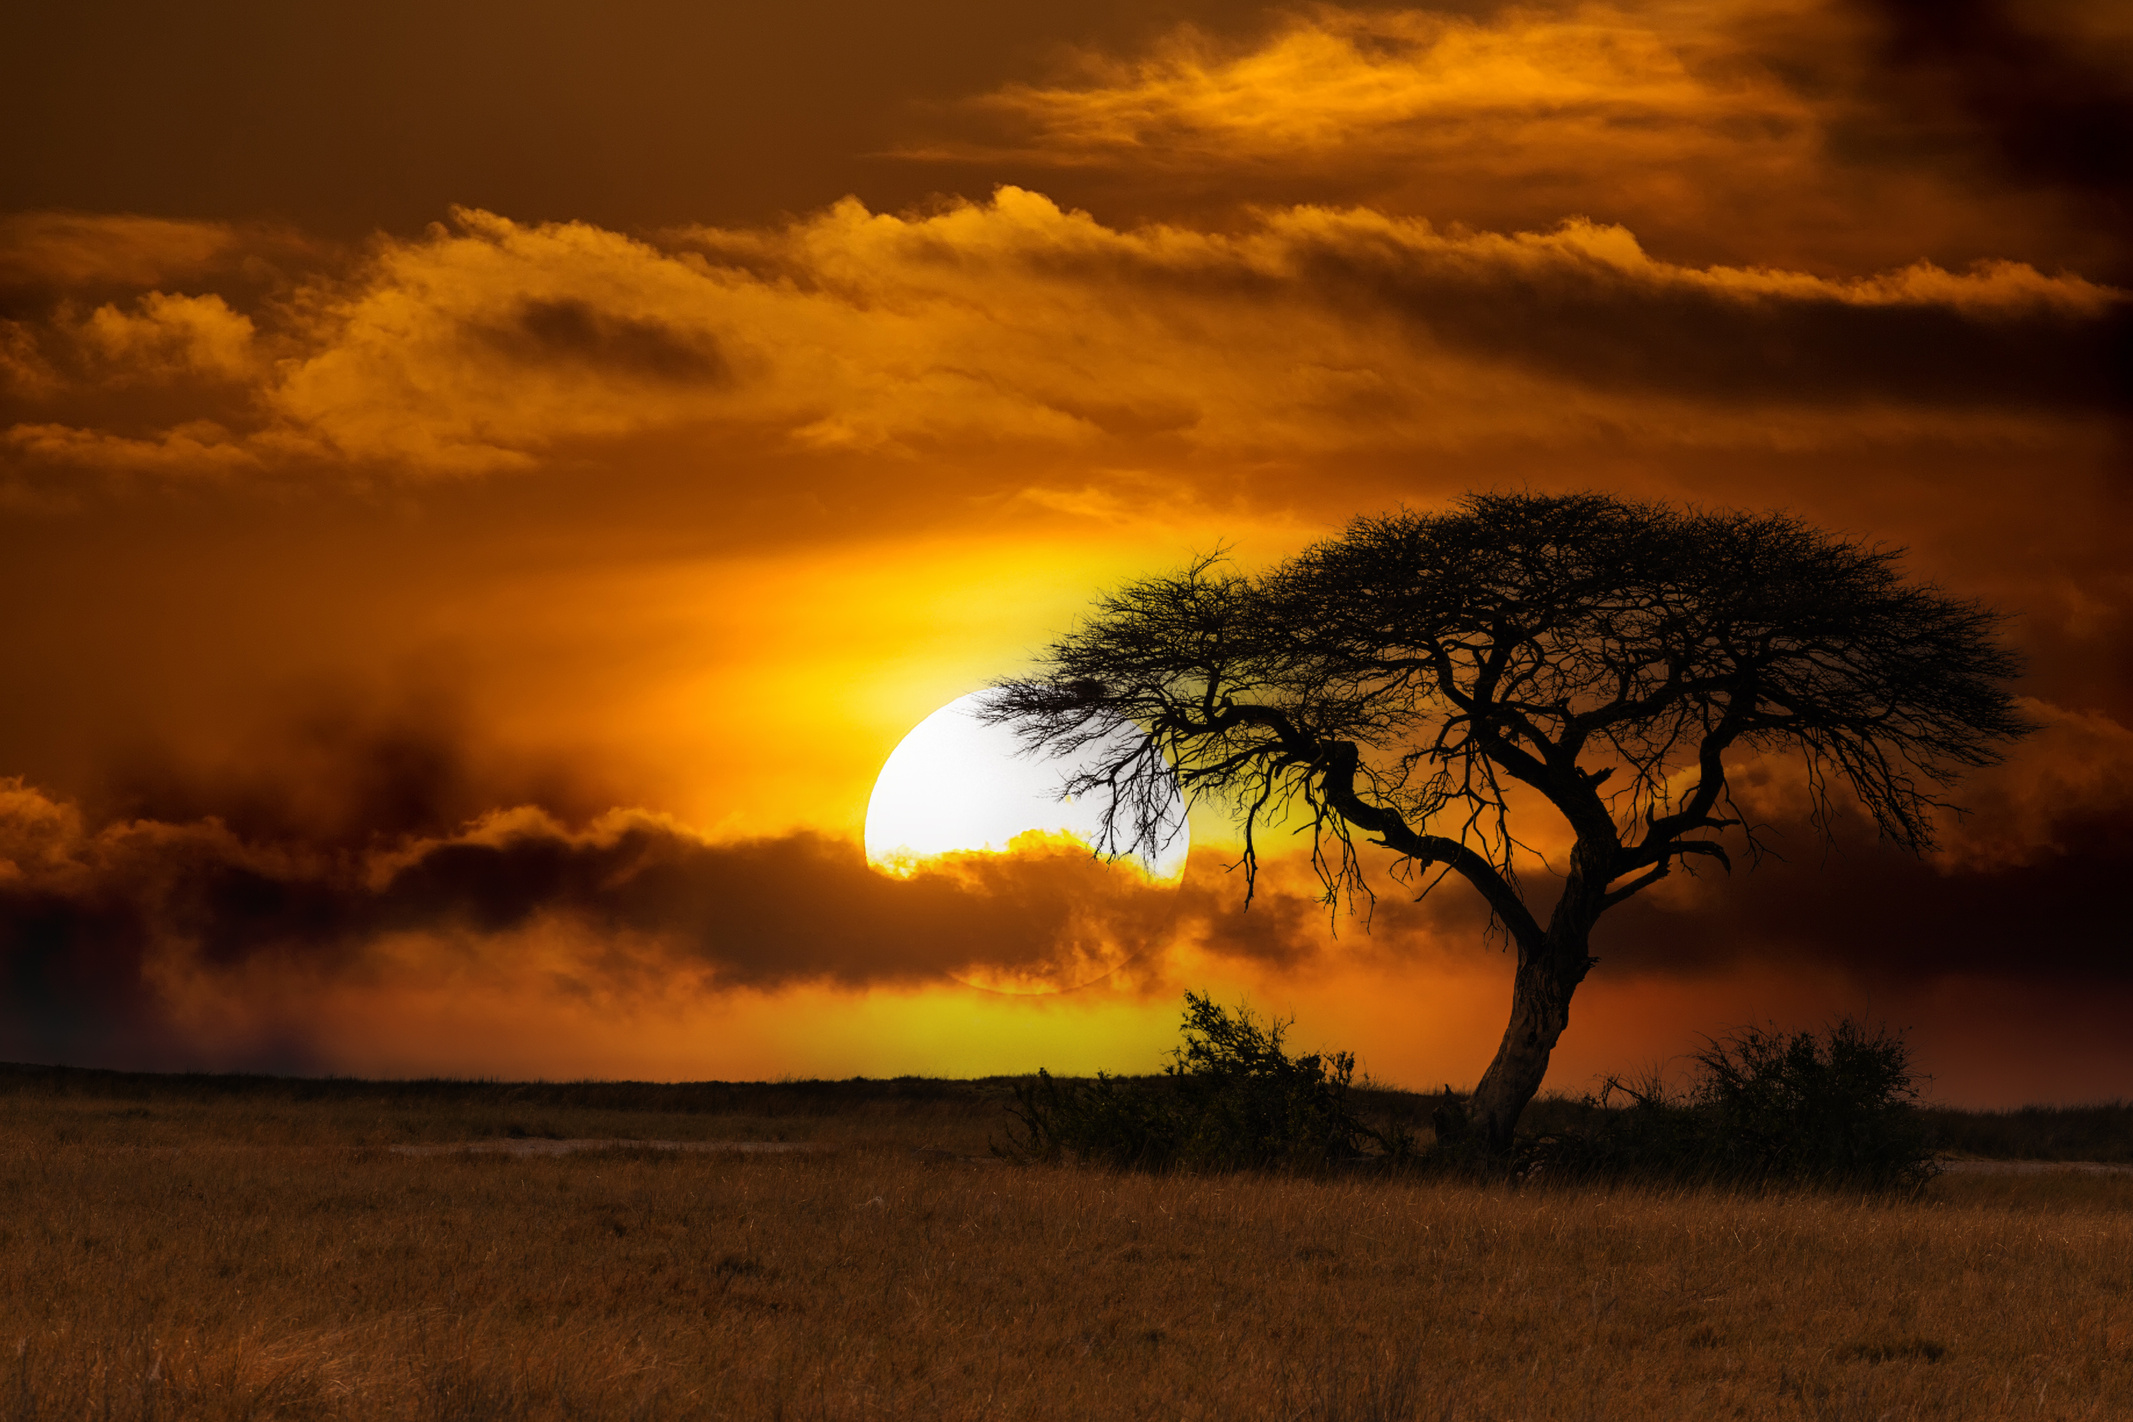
x=957 y=783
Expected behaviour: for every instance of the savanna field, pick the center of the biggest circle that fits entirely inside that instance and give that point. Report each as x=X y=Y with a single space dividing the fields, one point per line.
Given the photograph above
x=248 y=1248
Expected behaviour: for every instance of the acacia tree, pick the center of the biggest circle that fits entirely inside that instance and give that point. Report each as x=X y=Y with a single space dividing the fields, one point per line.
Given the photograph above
x=1407 y=680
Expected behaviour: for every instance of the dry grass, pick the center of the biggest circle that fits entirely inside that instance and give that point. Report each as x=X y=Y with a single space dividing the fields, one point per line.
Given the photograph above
x=274 y=1259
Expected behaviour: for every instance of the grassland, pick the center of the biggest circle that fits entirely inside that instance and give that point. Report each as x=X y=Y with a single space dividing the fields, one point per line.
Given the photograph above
x=174 y=1247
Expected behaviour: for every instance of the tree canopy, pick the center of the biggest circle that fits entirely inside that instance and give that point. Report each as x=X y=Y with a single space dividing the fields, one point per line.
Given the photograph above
x=1398 y=681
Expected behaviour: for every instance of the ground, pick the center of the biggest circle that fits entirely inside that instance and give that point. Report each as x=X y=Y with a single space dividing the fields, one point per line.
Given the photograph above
x=174 y=1247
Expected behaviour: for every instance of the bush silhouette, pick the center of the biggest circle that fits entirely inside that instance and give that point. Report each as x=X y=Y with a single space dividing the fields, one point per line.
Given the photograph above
x=1231 y=1098
x=1837 y=1107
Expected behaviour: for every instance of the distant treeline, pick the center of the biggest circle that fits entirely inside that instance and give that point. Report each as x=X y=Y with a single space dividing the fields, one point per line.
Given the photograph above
x=687 y=1098
x=2100 y=1132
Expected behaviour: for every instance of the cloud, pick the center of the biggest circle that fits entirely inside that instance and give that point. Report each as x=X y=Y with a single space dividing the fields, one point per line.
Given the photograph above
x=1842 y=136
x=1014 y=323
x=188 y=335
x=193 y=450
x=1362 y=90
x=384 y=853
x=1587 y=305
x=106 y=931
x=573 y=331
x=2039 y=95
x=354 y=867
x=58 y=250
x=2023 y=886
x=2047 y=801
x=159 y=386
x=1885 y=919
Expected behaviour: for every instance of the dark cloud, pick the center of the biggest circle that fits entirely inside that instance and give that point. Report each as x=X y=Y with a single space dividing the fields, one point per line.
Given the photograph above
x=73 y=249
x=45 y=256
x=86 y=934
x=96 y=923
x=1892 y=920
x=71 y=987
x=1851 y=136
x=340 y=768
x=2038 y=109
x=77 y=261
x=1710 y=340
x=2025 y=884
x=576 y=331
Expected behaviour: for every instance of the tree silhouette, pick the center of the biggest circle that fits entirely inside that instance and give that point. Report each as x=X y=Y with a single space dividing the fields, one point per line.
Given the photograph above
x=1406 y=680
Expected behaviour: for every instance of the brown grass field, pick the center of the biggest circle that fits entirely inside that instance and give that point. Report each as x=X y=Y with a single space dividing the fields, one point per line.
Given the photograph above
x=176 y=1248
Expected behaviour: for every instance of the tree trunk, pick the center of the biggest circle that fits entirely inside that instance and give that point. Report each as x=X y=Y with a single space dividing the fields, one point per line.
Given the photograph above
x=1540 y=1010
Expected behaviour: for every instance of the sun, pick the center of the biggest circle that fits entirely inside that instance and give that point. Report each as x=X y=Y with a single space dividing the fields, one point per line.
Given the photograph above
x=954 y=783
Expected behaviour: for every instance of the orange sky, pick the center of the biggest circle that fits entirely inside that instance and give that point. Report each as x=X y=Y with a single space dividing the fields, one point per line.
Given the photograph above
x=482 y=489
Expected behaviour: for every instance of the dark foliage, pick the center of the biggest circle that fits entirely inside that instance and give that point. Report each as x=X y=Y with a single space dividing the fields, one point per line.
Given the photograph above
x=1397 y=678
x=855 y=1095
x=1230 y=1099
x=1834 y=1108
x=2103 y=1131
x=2096 y=1132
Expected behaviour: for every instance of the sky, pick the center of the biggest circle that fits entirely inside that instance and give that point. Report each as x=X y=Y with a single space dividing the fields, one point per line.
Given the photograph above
x=484 y=487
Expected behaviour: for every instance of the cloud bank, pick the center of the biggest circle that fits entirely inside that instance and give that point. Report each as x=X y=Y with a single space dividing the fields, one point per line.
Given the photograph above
x=109 y=930
x=1015 y=323
x=1829 y=136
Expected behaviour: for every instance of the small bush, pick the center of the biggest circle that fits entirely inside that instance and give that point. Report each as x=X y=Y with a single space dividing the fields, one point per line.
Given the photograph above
x=1230 y=1099
x=1838 y=1108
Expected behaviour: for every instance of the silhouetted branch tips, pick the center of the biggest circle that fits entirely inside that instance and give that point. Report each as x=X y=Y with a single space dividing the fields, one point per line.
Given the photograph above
x=1406 y=678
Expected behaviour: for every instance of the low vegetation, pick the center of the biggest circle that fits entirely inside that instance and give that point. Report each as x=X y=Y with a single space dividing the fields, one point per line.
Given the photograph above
x=1231 y=1099
x=1764 y=1108
x=1836 y=1108
x=2101 y=1132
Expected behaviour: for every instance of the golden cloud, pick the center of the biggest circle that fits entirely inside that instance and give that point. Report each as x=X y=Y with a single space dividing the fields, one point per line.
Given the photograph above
x=1016 y=323
x=167 y=335
x=1831 y=136
x=1632 y=88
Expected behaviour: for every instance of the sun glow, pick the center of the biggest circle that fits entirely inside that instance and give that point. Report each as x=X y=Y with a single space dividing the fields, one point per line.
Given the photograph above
x=956 y=784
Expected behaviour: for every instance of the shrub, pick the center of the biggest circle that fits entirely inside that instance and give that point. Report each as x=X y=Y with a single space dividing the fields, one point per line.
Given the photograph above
x=1841 y=1106
x=1231 y=1098
x=1836 y=1108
